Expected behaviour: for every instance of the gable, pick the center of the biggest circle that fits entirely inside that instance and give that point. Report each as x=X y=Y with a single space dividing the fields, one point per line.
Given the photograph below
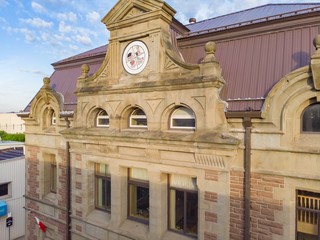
x=128 y=9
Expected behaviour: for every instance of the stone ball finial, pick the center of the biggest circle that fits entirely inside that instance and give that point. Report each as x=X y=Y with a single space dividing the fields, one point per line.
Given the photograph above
x=46 y=81
x=316 y=42
x=85 y=68
x=210 y=47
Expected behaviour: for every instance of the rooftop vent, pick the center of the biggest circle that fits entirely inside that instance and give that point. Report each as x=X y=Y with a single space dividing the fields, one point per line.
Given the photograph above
x=192 y=20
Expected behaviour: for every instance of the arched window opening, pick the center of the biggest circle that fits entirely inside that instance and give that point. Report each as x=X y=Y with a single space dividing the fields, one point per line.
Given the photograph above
x=138 y=119
x=182 y=118
x=102 y=119
x=311 y=118
x=53 y=118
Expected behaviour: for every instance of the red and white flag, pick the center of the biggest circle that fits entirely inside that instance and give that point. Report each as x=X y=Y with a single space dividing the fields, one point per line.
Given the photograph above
x=41 y=225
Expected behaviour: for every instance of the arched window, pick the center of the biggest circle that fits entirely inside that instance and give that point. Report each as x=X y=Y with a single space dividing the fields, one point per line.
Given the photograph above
x=182 y=118
x=138 y=119
x=53 y=118
x=311 y=118
x=102 y=119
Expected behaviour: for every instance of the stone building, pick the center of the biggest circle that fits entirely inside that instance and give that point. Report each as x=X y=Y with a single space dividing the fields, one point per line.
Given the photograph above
x=202 y=131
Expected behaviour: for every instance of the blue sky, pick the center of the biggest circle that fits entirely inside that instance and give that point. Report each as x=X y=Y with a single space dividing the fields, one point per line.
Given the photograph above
x=36 y=33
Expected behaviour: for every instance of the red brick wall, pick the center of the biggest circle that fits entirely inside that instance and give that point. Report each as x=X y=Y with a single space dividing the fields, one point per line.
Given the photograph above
x=33 y=155
x=264 y=205
x=32 y=163
x=236 y=205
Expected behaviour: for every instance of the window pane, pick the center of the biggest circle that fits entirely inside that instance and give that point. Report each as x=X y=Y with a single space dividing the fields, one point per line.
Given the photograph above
x=139 y=202
x=138 y=122
x=311 y=119
x=308 y=215
x=53 y=178
x=102 y=169
x=192 y=213
x=4 y=189
x=138 y=118
x=179 y=207
x=183 y=122
x=183 y=117
x=103 y=121
x=138 y=112
x=103 y=198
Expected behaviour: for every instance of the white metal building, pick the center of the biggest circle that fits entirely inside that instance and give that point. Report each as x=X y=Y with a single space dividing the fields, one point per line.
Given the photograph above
x=12 y=190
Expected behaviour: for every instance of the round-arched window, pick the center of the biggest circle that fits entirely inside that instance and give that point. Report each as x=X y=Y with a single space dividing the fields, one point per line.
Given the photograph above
x=102 y=119
x=182 y=118
x=138 y=119
x=311 y=118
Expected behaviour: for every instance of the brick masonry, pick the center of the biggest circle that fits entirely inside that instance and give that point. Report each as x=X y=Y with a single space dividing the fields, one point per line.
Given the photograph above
x=210 y=236
x=264 y=205
x=236 y=205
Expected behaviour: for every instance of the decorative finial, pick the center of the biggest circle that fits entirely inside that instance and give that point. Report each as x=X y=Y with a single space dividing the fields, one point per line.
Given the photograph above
x=46 y=83
x=315 y=63
x=210 y=47
x=85 y=70
x=316 y=42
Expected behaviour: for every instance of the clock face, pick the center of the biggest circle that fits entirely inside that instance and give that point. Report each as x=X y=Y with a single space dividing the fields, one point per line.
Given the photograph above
x=135 y=57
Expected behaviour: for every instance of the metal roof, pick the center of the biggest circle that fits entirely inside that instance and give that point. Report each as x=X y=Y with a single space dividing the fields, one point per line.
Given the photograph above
x=251 y=65
x=251 y=16
x=11 y=153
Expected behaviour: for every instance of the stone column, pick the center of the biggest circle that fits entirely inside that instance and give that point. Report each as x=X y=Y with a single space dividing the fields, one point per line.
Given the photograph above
x=158 y=204
x=119 y=179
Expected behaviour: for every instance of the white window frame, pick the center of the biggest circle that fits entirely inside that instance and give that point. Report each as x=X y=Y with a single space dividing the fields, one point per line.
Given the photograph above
x=174 y=116
x=137 y=117
x=99 y=116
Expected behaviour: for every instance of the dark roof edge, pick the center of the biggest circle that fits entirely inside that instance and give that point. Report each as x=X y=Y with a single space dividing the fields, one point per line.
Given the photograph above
x=250 y=22
x=248 y=9
x=244 y=114
x=90 y=54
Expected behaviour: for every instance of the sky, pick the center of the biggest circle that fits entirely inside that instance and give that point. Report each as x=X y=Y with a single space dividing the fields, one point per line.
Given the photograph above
x=35 y=34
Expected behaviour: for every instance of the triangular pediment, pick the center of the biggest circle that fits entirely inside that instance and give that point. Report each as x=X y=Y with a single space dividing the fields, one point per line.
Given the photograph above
x=133 y=12
x=128 y=9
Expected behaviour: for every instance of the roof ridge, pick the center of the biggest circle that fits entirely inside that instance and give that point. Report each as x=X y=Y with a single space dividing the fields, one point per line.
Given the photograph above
x=249 y=9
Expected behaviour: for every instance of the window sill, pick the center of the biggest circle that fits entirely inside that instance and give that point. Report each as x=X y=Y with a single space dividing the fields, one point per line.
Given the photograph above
x=5 y=197
x=173 y=235
x=51 y=197
x=135 y=229
x=99 y=218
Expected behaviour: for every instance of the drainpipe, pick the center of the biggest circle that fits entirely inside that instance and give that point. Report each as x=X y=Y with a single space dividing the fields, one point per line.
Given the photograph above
x=68 y=185
x=247 y=176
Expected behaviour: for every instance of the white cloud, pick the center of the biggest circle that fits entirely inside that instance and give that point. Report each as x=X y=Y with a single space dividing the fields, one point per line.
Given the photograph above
x=28 y=35
x=93 y=17
x=71 y=16
x=37 y=7
x=65 y=28
x=74 y=47
x=84 y=39
x=37 y=22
